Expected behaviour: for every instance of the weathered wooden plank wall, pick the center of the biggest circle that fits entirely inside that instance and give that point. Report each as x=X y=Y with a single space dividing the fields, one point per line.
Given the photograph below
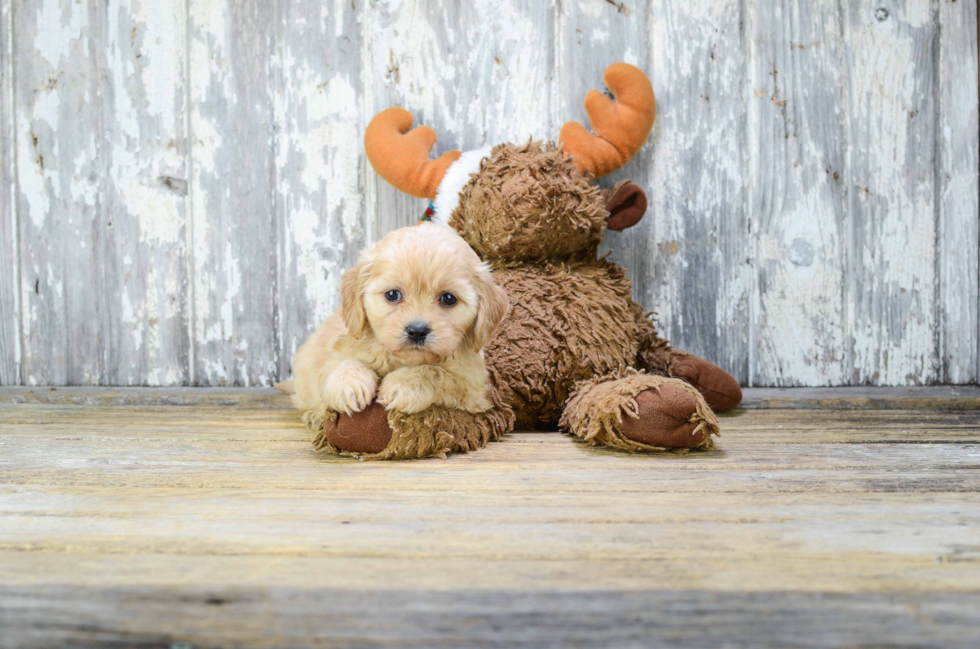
x=182 y=181
x=958 y=130
x=9 y=254
x=797 y=192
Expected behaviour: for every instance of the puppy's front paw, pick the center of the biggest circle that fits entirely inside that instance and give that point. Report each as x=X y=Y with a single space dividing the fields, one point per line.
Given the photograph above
x=350 y=388
x=476 y=402
x=406 y=392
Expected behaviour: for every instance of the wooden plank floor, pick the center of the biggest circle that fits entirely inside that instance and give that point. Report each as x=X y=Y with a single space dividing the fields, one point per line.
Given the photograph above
x=154 y=518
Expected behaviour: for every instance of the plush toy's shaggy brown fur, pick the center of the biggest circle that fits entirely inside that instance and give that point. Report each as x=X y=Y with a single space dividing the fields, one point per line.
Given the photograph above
x=575 y=351
x=539 y=221
x=521 y=193
x=568 y=322
x=376 y=434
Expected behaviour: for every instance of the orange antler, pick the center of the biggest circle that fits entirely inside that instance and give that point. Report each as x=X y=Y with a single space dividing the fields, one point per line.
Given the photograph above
x=402 y=157
x=621 y=125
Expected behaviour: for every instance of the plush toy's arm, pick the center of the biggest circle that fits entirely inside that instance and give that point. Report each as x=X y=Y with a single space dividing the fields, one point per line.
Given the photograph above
x=654 y=354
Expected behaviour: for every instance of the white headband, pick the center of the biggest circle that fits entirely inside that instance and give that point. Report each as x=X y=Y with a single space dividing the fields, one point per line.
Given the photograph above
x=458 y=174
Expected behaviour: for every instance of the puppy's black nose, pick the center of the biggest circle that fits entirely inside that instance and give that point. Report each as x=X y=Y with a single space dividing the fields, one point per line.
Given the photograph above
x=417 y=332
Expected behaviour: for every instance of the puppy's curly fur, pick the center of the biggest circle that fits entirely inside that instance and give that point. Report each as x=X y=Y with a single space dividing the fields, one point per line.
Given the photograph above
x=368 y=350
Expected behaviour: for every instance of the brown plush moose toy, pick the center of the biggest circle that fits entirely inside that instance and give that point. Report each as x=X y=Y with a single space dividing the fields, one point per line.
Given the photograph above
x=575 y=350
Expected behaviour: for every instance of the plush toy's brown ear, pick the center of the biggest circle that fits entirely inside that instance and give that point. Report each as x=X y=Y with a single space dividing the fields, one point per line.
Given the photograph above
x=626 y=204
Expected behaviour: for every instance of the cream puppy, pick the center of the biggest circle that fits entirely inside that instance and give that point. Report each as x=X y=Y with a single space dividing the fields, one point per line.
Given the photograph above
x=416 y=311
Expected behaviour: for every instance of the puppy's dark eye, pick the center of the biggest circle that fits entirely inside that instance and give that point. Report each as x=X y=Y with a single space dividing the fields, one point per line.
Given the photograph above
x=393 y=296
x=447 y=299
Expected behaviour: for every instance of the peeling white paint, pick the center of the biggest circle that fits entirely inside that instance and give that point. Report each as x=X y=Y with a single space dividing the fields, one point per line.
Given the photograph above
x=916 y=13
x=132 y=318
x=33 y=180
x=744 y=251
x=893 y=328
x=698 y=280
x=59 y=23
x=156 y=209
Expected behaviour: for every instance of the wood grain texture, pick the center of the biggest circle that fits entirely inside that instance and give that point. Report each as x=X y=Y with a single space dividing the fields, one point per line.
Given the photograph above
x=893 y=321
x=99 y=617
x=9 y=248
x=797 y=196
x=101 y=179
x=218 y=525
x=701 y=280
x=182 y=183
x=61 y=190
x=320 y=209
x=965 y=397
x=958 y=164
x=145 y=257
x=477 y=73
x=232 y=189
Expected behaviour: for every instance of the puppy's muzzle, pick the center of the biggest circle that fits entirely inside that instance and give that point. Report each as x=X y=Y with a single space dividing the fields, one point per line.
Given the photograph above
x=417 y=332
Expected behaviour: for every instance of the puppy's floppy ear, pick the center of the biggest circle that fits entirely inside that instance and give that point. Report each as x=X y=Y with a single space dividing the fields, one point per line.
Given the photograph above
x=352 y=296
x=491 y=308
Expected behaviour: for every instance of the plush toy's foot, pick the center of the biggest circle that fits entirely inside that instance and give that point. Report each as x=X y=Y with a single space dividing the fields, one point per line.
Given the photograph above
x=379 y=434
x=640 y=412
x=720 y=389
x=667 y=417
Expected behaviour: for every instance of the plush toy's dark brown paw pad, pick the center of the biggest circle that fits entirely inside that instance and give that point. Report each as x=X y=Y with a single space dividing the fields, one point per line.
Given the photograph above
x=363 y=432
x=720 y=389
x=665 y=419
